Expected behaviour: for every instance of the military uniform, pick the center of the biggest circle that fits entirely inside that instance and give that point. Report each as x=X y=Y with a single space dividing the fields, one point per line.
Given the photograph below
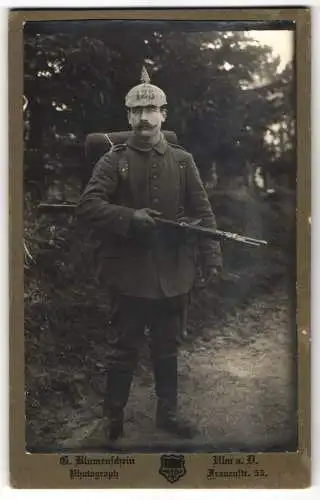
x=164 y=178
x=152 y=275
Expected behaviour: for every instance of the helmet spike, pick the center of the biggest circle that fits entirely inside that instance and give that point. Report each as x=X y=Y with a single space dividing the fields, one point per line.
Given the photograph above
x=145 y=78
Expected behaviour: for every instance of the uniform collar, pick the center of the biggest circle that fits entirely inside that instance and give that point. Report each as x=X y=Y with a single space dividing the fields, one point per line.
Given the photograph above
x=160 y=147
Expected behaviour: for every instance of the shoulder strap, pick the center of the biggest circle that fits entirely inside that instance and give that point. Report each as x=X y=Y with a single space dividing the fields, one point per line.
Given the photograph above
x=176 y=146
x=118 y=147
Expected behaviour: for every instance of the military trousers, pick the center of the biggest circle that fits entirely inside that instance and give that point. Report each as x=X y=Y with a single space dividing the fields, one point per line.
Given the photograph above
x=163 y=319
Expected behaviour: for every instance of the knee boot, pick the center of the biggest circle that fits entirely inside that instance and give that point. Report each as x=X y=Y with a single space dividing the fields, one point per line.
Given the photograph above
x=117 y=394
x=166 y=383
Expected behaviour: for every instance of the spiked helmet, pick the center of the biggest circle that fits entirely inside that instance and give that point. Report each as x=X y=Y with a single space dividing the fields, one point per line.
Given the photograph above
x=145 y=94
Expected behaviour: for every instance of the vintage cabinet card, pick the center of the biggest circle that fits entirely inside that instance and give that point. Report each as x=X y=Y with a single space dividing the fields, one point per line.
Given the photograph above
x=160 y=238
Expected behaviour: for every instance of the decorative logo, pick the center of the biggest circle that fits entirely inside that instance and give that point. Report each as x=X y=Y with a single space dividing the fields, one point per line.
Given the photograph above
x=145 y=93
x=172 y=467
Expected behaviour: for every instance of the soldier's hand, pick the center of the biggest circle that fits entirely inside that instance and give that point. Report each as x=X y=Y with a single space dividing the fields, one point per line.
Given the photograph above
x=142 y=219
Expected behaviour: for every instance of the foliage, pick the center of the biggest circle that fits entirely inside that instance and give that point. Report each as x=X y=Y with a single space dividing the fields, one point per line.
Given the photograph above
x=76 y=79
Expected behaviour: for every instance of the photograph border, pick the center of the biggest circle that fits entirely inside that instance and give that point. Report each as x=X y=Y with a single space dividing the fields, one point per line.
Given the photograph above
x=52 y=470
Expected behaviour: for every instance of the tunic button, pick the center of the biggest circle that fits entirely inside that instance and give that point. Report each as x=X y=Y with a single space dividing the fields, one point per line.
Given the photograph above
x=155 y=176
x=154 y=165
x=155 y=200
x=155 y=188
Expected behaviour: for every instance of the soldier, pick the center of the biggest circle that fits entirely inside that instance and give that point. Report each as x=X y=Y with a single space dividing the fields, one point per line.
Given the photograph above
x=151 y=269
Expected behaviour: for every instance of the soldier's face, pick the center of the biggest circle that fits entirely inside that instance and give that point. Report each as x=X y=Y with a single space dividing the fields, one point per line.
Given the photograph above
x=146 y=121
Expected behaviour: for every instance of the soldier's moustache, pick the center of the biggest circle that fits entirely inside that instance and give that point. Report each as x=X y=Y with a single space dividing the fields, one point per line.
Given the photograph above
x=145 y=126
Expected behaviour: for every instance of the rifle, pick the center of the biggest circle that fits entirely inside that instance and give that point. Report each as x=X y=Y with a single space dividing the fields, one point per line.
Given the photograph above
x=187 y=224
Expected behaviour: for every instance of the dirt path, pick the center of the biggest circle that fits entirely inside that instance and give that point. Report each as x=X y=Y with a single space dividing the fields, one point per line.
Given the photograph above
x=238 y=392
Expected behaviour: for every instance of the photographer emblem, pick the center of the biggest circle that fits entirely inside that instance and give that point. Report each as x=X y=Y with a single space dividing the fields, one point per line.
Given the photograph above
x=172 y=467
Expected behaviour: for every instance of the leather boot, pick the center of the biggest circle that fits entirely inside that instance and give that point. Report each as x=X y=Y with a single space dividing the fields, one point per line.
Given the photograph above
x=117 y=394
x=166 y=381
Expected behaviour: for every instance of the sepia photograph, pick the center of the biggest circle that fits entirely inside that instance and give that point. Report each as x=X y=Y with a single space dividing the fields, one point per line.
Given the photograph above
x=160 y=196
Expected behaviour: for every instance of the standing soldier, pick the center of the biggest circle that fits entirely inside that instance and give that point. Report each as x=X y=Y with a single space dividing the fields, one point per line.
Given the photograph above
x=151 y=268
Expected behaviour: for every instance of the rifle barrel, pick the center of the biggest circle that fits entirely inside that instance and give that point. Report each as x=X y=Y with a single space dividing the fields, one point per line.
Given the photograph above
x=213 y=233
x=240 y=237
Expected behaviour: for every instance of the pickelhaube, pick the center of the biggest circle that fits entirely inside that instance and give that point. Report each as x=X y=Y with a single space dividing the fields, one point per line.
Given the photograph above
x=145 y=94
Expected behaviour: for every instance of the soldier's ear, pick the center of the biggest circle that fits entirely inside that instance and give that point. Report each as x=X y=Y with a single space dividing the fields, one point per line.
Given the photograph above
x=164 y=114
